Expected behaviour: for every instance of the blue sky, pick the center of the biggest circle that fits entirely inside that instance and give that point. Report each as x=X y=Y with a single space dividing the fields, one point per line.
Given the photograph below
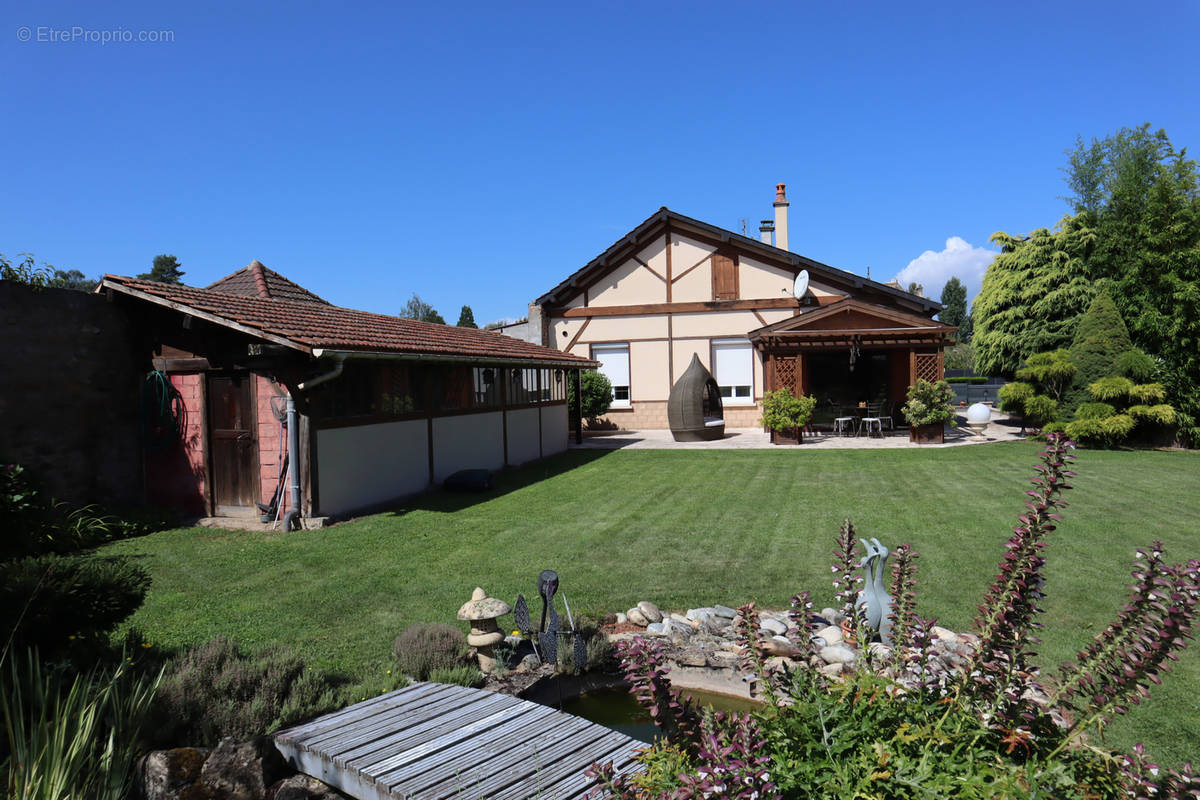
x=479 y=152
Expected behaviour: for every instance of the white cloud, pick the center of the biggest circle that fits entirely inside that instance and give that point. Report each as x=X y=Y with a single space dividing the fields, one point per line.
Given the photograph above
x=959 y=259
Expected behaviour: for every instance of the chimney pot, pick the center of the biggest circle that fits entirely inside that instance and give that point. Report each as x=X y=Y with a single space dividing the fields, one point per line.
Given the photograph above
x=780 y=193
x=765 y=229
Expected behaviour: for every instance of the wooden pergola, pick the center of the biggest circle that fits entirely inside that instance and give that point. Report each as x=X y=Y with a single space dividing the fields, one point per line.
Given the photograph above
x=914 y=343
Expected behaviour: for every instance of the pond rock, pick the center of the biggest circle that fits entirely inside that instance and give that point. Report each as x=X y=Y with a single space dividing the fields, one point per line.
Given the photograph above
x=636 y=616
x=773 y=626
x=837 y=654
x=656 y=628
x=650 y=611
x=724 y=611
x=832 y=635
x=304 y=787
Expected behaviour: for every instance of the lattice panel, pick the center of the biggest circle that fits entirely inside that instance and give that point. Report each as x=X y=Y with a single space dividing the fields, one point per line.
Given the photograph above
x=785 y=374
x=927 y=367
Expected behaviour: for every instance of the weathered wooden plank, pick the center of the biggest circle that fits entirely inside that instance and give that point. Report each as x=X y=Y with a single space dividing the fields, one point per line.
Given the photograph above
x=336 y=742
x=410 y=737
x=336 y=718
x=528 y=767
x=373 y=714
x=570 y=781
x=437 y=742
x=497 y=763
x=466 y=739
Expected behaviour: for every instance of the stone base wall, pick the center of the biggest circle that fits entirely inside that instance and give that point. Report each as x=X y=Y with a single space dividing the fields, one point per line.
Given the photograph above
x=648 y=415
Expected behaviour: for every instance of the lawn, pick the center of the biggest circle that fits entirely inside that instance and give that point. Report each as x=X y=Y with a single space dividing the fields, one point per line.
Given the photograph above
x=689 y=528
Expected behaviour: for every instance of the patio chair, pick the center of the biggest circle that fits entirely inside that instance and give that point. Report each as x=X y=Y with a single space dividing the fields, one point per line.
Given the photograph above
x=872 y=420
x=844 y=425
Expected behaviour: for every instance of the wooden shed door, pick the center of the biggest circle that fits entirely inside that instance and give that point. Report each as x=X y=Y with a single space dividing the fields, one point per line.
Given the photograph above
x=231 y=422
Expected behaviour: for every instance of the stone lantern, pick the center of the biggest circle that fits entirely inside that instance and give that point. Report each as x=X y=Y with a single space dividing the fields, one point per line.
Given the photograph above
x=482 y=612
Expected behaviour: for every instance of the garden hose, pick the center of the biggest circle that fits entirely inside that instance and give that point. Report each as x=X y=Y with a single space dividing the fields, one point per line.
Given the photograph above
x=163 y=412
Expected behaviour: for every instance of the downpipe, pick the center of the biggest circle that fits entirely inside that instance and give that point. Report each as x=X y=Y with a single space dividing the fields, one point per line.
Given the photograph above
x=291 y=520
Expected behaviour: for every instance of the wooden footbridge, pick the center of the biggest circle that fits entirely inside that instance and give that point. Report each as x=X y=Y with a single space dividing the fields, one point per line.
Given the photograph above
x=431 y=740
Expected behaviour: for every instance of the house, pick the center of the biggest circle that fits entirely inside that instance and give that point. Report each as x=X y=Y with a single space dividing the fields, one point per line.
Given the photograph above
x=374 y=408
x=675 y=287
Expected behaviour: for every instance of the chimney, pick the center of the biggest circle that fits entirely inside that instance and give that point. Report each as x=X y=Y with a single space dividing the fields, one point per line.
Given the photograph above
x=781 y=207
x=765 y=229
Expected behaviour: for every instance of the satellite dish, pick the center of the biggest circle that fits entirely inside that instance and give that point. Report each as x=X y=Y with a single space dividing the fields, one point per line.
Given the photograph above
x=801 y=285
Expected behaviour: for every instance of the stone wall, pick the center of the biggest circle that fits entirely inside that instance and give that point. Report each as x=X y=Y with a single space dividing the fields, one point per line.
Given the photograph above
x=652 y=415
x=69 y=387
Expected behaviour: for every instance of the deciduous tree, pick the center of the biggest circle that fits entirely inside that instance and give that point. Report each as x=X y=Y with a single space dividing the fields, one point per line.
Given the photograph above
x=418 y=309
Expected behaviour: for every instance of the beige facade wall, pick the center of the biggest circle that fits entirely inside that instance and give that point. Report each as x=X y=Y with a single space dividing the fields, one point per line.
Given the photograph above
x=760 y=280
x=659 y=351
x=365 y=465
x=628 y=284
x=821 y=290
x=648 y=371
x=622 y=329
x=715 y=324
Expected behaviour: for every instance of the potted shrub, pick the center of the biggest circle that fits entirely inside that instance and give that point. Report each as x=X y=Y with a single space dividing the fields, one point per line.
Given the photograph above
x=785 y=415
x=928 y=411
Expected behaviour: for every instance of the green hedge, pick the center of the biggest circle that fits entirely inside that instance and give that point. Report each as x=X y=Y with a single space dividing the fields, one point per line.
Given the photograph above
x=968 y=379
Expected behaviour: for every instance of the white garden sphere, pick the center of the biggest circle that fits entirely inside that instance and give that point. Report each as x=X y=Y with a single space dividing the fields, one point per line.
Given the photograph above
x=979 y=414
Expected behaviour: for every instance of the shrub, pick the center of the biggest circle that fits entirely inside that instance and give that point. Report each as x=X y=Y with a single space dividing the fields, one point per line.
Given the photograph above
x=1100 y=339
x=462 y=675
x=929 y=403
x=1136 y=365
x=426 y=646
x=597 y=394
x=215 y=690
x=784 y=412
x=1094 y=411
x=1100 y=432
x=59 y=603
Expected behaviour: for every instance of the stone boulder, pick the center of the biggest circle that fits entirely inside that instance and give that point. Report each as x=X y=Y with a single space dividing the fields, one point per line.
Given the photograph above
x=166 y=774
x=244 y=770
x=303 y=787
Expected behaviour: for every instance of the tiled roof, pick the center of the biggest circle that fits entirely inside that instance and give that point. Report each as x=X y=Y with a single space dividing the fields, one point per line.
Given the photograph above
x=257 y=280
x=309 y=326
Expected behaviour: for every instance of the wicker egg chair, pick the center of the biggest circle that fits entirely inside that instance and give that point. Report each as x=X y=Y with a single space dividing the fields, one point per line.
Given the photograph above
x=694 y=409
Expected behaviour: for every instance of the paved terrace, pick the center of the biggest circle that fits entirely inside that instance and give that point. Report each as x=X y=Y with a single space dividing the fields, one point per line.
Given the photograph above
x=1000 y=429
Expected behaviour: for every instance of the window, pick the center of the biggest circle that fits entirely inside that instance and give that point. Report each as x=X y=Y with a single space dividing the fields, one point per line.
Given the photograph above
x=614 y=365
x=724 y=277
x=733 y=369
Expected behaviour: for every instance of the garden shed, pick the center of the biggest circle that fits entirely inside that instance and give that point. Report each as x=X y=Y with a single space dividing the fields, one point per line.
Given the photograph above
x=375 y=408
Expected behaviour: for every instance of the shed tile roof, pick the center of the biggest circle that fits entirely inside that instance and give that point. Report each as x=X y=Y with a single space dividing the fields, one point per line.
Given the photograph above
x=257 y=280
x=307 y=325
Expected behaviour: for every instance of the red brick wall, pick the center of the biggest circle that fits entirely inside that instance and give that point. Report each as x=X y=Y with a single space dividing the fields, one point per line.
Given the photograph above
x=175 y=477
x=271 y=445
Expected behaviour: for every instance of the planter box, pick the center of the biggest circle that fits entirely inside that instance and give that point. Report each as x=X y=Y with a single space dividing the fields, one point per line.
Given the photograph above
x=926 y=434
x=793 y=436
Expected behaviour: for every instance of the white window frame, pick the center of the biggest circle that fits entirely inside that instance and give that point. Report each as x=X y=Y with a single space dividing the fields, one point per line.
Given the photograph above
x=622 y=393
x=740 y=394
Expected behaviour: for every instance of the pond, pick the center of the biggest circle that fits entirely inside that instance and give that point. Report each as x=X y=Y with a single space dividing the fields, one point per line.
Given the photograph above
x=617 y=709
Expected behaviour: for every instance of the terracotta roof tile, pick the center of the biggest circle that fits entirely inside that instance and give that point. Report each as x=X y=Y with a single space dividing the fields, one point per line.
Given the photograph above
x=257 y=280
x=311 y=325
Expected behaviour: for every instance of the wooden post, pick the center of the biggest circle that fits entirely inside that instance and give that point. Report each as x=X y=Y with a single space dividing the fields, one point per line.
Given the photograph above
x=576 y=377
